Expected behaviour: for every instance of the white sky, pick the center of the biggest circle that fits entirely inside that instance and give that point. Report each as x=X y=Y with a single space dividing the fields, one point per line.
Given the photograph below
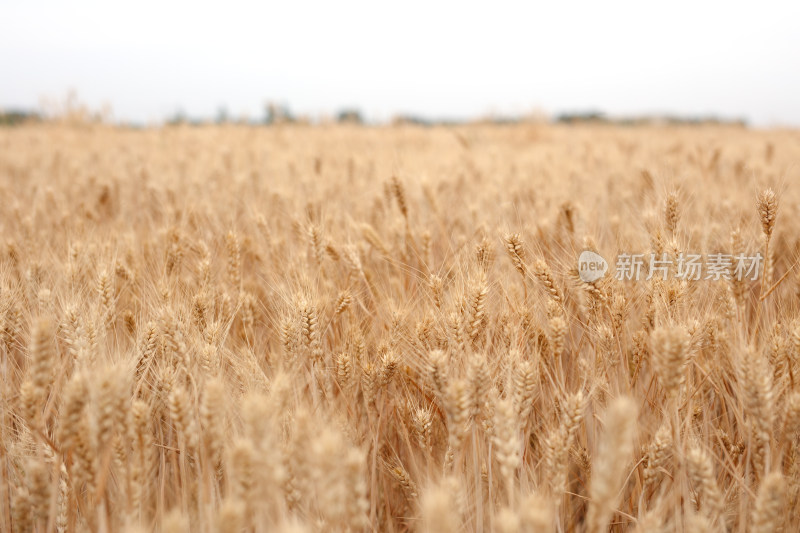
x=448 y=59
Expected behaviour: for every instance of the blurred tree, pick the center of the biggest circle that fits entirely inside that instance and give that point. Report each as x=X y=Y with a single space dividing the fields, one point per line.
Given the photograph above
x=351 y=116
x=178 y=118
x=277 y=113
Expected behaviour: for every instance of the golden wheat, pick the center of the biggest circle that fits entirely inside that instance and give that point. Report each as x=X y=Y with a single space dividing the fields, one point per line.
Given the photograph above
x=302 y=328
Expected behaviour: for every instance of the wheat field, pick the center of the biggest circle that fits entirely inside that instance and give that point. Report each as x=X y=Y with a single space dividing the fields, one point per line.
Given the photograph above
x=348 y=328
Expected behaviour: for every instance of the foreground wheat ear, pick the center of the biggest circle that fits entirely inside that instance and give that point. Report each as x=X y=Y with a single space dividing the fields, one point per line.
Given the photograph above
x=339 y=328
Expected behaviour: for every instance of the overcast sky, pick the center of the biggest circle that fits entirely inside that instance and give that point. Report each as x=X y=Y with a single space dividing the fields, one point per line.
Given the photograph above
x=149 y=59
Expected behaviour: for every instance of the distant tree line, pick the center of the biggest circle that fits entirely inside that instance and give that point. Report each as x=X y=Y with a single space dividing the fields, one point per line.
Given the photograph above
x=14 y=117
x=275 y=113
x=597 y=117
